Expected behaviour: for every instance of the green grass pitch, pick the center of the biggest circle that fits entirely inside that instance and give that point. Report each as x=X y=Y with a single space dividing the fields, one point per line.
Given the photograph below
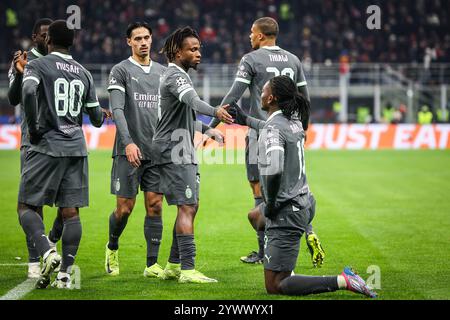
x=389 y=209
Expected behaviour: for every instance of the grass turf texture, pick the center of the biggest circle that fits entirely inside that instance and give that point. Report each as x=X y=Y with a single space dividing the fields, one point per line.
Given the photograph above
x=384 y=208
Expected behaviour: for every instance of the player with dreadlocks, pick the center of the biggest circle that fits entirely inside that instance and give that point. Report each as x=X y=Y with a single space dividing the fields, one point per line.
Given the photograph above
x=174 y=152
x=289 y=205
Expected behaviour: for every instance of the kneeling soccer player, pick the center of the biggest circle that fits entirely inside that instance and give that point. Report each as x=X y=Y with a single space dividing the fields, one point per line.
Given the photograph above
x=289 y=206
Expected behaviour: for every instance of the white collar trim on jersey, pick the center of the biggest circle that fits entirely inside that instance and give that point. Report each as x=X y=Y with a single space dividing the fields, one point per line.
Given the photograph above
x=36 y=53
x=171 y=64
x=146 y=69
x=271 y=47
x=62 y=55
x=273 y=115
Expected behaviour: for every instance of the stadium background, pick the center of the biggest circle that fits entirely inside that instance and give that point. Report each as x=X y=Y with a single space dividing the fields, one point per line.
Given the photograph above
x=385 y=208
x=354 y=74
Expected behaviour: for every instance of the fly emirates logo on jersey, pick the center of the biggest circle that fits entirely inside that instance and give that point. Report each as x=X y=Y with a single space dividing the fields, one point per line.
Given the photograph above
x=146 y=100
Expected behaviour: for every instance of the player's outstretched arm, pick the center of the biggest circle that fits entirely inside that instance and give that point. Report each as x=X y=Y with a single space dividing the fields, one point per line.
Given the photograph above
x=236 y=91
x=192 y=99
x=242 y=118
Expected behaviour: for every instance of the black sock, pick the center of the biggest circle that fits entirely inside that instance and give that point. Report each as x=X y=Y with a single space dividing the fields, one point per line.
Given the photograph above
x=116 y=228
x=33 y=254
x=260 y=235
x=186 y=246
x=34 y=228
x=304 y=285
x=71 y=237
x=57 y=229
x=153 y=228
x=174 y=256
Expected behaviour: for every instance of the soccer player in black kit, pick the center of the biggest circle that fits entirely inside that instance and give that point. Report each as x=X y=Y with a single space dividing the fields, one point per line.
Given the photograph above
x=15 y=75
x=289 y=205
x=266 y=61
x=56 y=91
x=174 y=153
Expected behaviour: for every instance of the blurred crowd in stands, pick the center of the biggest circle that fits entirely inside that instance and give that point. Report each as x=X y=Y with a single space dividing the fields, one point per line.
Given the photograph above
x=317 y=31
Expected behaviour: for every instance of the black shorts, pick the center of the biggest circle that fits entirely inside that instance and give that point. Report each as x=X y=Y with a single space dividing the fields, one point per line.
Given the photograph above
x=60 y=181
x=180 y=183
x=283 y=233
x=251 y=156
x=23 y=154
x=125 y=179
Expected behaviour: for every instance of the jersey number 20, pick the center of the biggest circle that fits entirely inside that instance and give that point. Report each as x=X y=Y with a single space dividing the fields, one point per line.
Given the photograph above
x=68 y=96
x=285 y=72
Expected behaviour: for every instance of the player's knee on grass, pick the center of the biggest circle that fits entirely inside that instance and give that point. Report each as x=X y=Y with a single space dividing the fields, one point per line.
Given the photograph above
x=272 y=286
x=273 y=281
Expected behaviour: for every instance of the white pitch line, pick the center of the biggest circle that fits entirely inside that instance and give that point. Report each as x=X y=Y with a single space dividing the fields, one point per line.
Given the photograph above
x=20 y=291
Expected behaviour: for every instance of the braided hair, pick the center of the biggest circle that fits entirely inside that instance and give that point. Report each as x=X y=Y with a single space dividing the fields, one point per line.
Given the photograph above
x=290 y=101
x=175 y=41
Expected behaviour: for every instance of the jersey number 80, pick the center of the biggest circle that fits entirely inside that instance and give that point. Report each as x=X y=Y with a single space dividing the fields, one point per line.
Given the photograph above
x=68 y=97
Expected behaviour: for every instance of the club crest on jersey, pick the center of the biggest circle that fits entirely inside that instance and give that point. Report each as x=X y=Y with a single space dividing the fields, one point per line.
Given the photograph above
x=112 y=80
x=188 y=192
x=181 y=81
